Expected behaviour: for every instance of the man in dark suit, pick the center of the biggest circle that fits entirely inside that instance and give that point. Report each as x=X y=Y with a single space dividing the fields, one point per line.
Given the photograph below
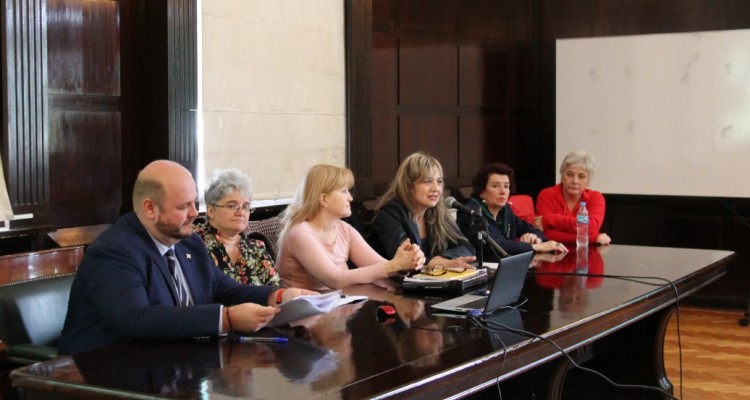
x=125 y=288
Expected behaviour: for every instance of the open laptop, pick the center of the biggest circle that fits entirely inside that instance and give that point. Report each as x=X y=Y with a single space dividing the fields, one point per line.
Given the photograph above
x=506 y=288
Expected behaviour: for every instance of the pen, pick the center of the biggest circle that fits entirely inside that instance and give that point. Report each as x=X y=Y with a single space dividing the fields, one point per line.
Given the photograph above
x=258 y=339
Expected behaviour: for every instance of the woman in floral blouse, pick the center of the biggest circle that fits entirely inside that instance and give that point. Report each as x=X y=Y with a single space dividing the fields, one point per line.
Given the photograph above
x=228 y=211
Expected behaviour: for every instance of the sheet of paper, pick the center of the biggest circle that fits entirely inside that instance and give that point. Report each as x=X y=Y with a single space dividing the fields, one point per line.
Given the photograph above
x=309 y=305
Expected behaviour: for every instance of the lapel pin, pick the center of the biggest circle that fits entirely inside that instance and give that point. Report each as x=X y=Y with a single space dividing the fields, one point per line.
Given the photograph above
x=187 y=255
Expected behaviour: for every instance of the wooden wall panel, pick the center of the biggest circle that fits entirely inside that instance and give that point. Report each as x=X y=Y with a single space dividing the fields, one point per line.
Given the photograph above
x=384 y=69
x=182 y=85
x=359 y=34
x=65 y=40
x=452 y=67
x=427 y=72
x=383 y=12
x=25 y=103
x=101 y=58
x=83 y=47
x=485 y=20
x=93 y=90
x=482 y=139
x=384 y=140
x=85 y=112
x=522 y=22
x=483 y=76
x=428 y=15
x=437 y=135
x=85 y=153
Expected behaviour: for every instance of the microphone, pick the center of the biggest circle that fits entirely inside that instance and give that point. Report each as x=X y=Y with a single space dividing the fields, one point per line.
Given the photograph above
x=451 y=202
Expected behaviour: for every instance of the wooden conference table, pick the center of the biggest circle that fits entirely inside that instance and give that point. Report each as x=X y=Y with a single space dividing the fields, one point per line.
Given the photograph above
x=613 y=325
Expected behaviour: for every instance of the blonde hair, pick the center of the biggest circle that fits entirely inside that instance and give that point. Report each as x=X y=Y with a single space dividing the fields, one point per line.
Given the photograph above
x=319 y=179
x=440 y=225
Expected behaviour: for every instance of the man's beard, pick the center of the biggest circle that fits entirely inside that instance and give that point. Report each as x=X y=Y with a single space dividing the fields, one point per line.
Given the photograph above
x=172 y=231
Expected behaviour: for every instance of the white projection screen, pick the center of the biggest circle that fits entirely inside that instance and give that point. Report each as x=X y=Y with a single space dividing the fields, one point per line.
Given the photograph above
x=665 y=114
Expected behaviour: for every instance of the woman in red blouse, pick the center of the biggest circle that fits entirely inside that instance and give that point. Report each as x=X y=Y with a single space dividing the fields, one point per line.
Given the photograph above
x=557 y=206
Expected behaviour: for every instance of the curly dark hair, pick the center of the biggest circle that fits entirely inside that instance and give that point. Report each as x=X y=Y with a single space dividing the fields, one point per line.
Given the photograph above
x=479 y=183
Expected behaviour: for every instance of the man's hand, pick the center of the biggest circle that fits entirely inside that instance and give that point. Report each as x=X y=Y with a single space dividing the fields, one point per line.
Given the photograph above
x=250 y=317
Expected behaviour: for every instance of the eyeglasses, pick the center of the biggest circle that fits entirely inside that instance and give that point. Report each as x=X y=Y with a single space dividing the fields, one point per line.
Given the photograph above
x=236 y=207
x=440 y=269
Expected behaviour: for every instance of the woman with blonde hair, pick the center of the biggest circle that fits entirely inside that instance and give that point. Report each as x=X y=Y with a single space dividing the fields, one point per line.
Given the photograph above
x=413 y=209
x=315 y=244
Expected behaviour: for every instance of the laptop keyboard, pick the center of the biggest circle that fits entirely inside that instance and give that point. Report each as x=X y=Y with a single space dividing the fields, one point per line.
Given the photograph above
x=477 y=304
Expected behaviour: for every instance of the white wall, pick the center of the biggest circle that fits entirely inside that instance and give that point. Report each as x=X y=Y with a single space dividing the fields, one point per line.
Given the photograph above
x=273 y=89
x=664 y=114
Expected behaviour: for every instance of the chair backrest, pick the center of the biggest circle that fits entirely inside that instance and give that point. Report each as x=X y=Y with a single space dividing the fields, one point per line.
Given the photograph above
x=270 y=246
x=523 y=207
x=270 y=228
x=33 y=311
x=24 y=266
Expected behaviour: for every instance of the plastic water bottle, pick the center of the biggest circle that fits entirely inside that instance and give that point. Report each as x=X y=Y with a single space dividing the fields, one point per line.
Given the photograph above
x=582 y=226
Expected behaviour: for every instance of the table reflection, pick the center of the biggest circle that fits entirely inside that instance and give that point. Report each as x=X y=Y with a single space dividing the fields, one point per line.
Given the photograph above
x=331 y=332
x=318 y=356
x=572 y=276
x=505 y=328
x=174 y=369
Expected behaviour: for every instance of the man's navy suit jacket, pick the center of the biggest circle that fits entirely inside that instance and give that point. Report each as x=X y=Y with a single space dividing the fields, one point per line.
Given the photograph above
x=123 y=290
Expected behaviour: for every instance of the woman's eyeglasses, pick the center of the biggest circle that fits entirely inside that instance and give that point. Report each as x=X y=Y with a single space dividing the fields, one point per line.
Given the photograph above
x=236 y=207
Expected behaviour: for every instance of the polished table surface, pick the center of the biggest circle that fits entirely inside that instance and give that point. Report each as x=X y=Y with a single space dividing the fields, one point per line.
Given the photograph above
x=351 y=353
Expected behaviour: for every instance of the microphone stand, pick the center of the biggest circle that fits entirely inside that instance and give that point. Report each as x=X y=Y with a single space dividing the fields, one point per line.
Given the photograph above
x=494 y=244
x=484 y=237
x=480 y=253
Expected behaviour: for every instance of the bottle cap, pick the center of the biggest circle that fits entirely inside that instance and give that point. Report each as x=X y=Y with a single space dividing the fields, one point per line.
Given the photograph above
x=583 y=203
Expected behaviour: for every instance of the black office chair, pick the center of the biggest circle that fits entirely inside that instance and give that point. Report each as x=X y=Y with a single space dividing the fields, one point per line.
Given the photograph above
x=32 y=315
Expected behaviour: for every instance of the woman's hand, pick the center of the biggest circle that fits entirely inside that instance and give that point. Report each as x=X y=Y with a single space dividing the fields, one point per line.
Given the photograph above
x=530 y=238
x=546 y=257
x=603 y=239
x=550 y=246
x=458 y=262
x=408 y=257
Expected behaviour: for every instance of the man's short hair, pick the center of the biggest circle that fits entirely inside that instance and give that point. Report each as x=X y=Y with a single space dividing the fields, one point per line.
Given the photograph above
x=148 y=188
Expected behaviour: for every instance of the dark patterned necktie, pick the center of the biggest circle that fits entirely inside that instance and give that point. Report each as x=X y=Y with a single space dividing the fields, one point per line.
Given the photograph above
x=180 y=286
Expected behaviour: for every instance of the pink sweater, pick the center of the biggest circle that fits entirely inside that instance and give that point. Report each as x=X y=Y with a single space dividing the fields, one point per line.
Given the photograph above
x=306 y=262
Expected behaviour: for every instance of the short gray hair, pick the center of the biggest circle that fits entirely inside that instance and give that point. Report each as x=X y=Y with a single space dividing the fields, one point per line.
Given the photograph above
x=223 y=182
x=579 y=157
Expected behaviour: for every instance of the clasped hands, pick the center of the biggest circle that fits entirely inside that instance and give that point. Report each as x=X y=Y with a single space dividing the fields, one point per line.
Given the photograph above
x=408 y=257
